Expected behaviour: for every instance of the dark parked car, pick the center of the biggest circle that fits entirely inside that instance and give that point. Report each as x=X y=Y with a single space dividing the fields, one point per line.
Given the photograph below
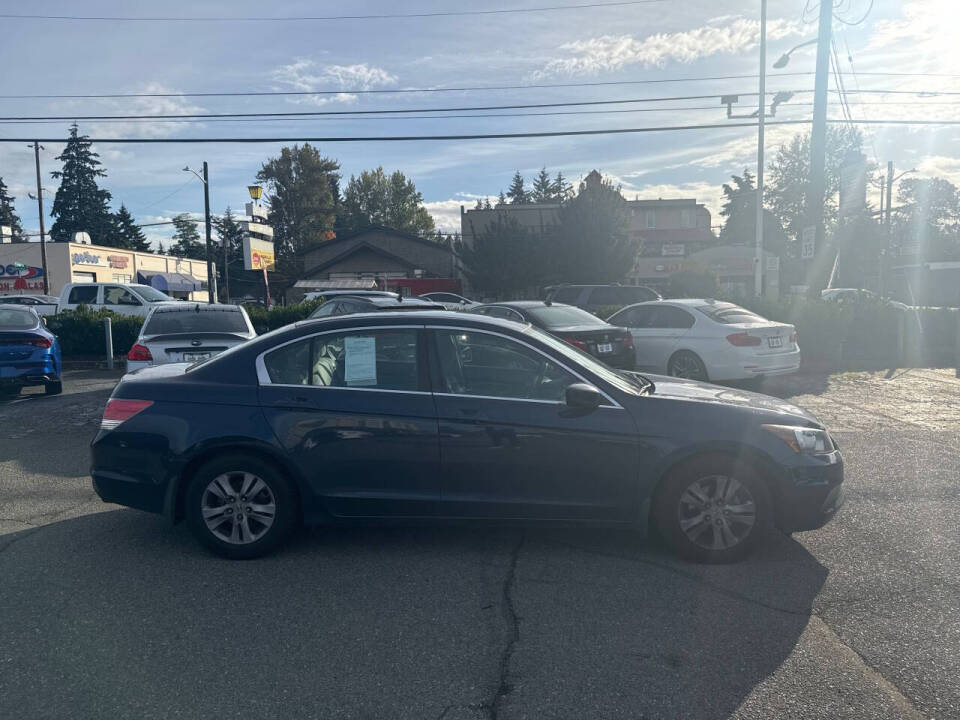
x=593 y=297
x=611 y=344
x=348 y=304
x=29 y=353
x=439 y=415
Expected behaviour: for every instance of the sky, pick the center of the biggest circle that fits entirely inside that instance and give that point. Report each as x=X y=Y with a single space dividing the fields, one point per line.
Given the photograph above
x=663 y=44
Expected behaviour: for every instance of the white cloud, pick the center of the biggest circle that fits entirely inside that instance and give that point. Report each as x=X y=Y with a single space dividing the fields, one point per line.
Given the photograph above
x=308 y=76
x=173 y=105
x=613 y=52
x=940 y=166
x=446 y=213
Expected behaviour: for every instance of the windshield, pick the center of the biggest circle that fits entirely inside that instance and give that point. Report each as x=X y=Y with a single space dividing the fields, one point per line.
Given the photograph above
x=560 y=315
x=16 y=319
x=729 y=314
x=150 y=294
x=621 y=381
x=190 y=321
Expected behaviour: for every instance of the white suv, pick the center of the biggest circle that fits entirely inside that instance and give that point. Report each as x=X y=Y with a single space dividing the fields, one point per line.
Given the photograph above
x=117 y=297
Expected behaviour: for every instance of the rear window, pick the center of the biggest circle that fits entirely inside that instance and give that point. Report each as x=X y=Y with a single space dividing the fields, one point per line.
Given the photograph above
x=12 y=319
x=729 y=314
x=560 y=315
x=191 y=321
x=83 y=295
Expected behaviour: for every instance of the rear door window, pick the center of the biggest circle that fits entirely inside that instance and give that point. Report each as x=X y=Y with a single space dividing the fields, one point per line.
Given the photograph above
x=378 y=360
x=83 y=295
x=638 y=317
x=568 y=295
x=667 y=316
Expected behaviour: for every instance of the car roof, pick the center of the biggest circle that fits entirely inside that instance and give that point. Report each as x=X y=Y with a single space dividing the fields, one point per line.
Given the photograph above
x=382 y=301
x=439 y=317
x=522 y=304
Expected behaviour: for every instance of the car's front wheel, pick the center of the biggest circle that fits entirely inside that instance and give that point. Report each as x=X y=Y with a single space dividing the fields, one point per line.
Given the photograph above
x=53 y=388
x=240 y=507
x=713 y=509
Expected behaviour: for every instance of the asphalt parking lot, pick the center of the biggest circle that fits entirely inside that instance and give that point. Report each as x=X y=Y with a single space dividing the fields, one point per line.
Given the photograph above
x=108 y=612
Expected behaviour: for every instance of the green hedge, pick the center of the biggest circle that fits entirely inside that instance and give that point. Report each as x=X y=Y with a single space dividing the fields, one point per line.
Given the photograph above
x=266 y=320
x=81 y=332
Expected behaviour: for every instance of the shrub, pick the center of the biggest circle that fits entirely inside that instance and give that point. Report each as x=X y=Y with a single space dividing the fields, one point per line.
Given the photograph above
x=81 y=333
x=266 y=320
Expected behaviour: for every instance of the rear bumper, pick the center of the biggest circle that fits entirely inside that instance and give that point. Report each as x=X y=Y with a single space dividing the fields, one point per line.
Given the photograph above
x=137 y=477
x=127 y=490
x=29 y=374
x=622 y=360
x=812 y=494
x=741 y=366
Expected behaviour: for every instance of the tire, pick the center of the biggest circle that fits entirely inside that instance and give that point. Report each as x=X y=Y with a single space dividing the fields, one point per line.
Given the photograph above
x=688 y=365
x=257 y=533
x=53 y=388
x=726 y=531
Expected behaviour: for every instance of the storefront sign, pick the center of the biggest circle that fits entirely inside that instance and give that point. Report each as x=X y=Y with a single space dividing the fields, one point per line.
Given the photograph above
x=21 y=270
x=86 y=258
x=675 y=249
x=257 y=254
x=118 y=261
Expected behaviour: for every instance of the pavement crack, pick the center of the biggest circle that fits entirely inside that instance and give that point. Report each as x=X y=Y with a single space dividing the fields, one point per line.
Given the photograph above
x=512 y=621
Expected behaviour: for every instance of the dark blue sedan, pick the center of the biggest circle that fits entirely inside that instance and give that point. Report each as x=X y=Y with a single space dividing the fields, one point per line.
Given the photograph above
x=437 y=415
x=29 y=353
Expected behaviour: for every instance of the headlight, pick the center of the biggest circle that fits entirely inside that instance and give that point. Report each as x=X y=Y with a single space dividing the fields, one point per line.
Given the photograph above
x=803 y=440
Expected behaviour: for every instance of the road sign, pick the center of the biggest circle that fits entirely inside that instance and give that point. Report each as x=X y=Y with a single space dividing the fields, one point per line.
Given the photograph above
x=808 y=242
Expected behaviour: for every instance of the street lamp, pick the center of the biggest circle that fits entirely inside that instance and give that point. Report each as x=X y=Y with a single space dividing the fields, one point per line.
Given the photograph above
x=206 y=213
x=255 y=191
x=785 y=58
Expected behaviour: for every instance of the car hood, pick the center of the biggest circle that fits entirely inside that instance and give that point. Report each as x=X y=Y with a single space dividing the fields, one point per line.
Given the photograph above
x=693 y=391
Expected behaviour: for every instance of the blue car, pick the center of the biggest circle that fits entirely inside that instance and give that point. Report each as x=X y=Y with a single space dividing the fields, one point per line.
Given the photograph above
x=436 y=415
x=29 y=353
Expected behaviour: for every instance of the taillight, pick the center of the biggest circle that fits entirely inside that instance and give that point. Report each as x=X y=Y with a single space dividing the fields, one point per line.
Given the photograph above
x=577 y=343
x=742 y=339
x=140 y=353
x=40 y=342
x=628 y=340
x=793 y=338
x=118 y=411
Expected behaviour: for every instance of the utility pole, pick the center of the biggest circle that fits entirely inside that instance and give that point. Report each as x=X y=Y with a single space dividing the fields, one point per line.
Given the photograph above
x=206 y=211
x=43 y=236
x=818 y=135
x=758 y=253
x=886 y=219
x=226 y=270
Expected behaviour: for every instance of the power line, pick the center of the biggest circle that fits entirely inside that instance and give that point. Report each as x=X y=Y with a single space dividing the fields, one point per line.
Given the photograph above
x=457 y=88
x=393 y=118
x=467 y=136
x=393 y=111
x=326 y=18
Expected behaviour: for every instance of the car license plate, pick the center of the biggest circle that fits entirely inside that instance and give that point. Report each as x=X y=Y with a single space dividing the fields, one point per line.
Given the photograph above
x=605 y=347
x=775 y=342
x=195 y=357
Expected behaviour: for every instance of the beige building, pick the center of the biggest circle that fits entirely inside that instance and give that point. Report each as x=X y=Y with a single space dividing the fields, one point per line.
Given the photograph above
x=21 y=269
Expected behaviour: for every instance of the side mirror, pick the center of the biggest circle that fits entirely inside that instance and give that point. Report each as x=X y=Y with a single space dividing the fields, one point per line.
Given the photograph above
x=583 y=397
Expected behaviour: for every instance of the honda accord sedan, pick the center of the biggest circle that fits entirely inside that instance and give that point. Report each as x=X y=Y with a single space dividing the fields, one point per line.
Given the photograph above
x=430 y=415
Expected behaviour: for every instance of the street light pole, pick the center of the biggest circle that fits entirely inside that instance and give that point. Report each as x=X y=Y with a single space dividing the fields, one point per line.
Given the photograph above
x=206 y=212
x=758 y=252
x=818 y=133
x=43 y=236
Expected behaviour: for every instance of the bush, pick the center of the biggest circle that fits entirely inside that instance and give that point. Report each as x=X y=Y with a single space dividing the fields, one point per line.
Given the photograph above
x=266 y=320
x=81 y=333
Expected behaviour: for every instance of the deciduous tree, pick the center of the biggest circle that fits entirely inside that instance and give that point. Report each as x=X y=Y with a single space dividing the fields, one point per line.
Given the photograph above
x=505 y=257
x=374 y=198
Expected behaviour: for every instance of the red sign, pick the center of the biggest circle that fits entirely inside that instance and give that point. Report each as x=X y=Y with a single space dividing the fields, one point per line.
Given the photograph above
x=118 y=261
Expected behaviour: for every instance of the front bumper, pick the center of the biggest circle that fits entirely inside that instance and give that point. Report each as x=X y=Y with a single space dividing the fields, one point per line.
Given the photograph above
x=812 y=493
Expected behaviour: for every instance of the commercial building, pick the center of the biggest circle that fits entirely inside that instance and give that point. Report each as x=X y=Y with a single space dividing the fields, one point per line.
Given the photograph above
x=377 y=256
x=21 y=269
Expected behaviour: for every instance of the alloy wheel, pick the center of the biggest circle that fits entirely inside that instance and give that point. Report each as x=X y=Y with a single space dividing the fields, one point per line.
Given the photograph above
x=687 y=367
x=238 y=507
x=717 y=512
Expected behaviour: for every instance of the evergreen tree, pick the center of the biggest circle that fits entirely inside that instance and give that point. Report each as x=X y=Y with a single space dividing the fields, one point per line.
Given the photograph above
x=501 y=199
x=8 y=215
x=479 y=205
x=129 y=236
x=160 y=249
x=230 y=232
x=517 y=192
x=593 y=244
x=542 y=187
x=561 y=190
x=80 y=205
x=739 y=211
x=186 y=239
x=486 y=204
x=505 y=257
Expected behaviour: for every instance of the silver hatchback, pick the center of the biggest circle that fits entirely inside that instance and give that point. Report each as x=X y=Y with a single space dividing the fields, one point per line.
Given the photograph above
x=188 y=332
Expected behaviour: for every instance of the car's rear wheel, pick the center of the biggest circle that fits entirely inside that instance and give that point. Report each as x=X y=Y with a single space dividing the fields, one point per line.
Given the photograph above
x=713 y=509
x=688 y=365
x=238 y=506
x=53 y=388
